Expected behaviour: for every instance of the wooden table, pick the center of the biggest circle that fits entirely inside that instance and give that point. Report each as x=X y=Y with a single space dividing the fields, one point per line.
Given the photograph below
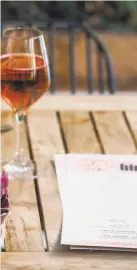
x=82 y=124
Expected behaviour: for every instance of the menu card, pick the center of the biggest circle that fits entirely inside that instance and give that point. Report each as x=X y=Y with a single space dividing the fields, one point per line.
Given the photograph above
x=99 y=200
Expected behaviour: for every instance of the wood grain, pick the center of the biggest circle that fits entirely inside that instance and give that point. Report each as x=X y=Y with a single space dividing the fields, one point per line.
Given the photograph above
x=132 y=119
x=23 y=230
x=46 y=141
x=69 y=261
x=114 y=133
x=84 y=103
x=79 y=132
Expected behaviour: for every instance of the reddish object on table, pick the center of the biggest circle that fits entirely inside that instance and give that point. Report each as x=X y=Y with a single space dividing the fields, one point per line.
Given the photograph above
x=4 y=196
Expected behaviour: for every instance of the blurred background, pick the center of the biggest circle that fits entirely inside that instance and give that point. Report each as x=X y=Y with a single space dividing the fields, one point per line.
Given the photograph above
x=111 y=23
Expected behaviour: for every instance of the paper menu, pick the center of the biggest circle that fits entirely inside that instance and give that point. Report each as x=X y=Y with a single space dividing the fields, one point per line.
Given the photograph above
x=99 y=205
x=93 y=219
x=100 y=163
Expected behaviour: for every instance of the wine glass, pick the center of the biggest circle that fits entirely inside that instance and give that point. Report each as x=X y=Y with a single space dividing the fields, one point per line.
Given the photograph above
x=25 y=77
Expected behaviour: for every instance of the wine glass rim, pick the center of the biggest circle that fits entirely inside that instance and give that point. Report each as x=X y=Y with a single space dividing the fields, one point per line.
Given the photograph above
x=35 y=30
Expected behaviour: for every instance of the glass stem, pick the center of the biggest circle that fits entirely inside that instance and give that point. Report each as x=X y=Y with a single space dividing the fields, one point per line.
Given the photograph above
x=20 y=153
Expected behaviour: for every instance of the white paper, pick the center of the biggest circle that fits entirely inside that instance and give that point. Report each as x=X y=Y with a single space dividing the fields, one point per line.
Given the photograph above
x=99 y=201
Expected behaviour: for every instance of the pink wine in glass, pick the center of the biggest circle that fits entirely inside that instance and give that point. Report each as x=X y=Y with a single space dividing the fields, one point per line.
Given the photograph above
x=24 y=79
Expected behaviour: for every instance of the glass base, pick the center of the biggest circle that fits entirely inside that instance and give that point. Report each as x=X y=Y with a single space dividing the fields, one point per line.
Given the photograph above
x=20 y=168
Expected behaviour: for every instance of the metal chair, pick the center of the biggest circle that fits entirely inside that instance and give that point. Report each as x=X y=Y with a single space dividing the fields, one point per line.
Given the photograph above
x=91 y=37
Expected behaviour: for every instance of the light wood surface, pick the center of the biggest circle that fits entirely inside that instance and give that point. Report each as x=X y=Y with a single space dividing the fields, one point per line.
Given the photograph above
x=132 y=120
x=84 y=102
x=79 y=132
x=46 y=141
x=114 y=133
x=23 y=231
x=69 y=261
x=83 y=131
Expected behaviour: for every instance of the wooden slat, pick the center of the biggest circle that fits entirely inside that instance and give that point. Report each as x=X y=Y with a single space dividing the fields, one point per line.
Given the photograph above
x=69 y=261
x=132 y=119
x=46 y=141
x=114 y=133
x=84 y=102
x=22 y=224
x=79 y=132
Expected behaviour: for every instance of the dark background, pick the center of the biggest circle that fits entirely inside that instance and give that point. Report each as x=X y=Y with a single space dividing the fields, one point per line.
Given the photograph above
x=114 y=15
